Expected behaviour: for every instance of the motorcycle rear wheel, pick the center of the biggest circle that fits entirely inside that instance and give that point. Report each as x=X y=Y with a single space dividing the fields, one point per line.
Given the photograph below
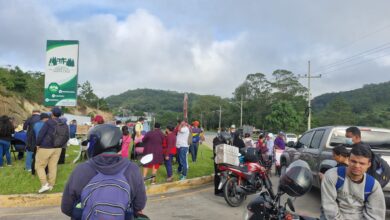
x=232 y=197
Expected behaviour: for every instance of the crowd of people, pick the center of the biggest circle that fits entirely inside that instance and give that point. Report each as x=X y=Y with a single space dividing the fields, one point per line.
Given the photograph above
x=353 y=188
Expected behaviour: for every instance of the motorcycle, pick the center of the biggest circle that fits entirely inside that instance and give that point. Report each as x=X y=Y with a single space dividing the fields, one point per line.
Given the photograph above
x=239 y=181
x=295 y=182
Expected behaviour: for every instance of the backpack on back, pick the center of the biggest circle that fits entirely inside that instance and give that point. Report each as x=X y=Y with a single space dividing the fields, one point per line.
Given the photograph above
x=60 y=134
x=368 y=186
x=379 y=169
x=107 y=197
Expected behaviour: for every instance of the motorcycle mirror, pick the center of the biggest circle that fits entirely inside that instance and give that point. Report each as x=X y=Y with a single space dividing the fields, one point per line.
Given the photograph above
x=146 y=159
x=290 y=205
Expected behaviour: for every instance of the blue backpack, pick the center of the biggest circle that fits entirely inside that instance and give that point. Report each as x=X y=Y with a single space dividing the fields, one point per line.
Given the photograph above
x=369 y=185
x=107 y=197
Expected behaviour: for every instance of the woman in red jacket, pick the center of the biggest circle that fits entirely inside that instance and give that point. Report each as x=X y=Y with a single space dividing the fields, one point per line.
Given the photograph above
x=169 y=151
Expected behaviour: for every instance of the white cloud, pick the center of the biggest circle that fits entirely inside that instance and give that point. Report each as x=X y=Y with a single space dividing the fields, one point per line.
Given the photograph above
x=187 y=47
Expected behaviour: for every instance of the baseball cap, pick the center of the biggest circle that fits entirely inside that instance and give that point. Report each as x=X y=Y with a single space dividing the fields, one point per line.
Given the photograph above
x=56 y=111
x=98 y=119
x=233 y=126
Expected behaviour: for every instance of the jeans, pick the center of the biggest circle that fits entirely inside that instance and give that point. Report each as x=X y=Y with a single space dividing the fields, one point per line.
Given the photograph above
x=183 y=160
x=4 y=147
x=168 y=165
x=194 y=151
x=29 y=156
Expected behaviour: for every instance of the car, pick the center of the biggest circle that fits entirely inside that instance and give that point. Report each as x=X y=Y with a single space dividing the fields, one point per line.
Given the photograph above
x=291 y=138
x=315 y=147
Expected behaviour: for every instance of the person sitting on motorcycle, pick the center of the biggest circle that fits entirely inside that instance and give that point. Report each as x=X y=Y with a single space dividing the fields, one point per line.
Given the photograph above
x=344 y=193
x=105 y=161
x=248 y=140
x=222 y=137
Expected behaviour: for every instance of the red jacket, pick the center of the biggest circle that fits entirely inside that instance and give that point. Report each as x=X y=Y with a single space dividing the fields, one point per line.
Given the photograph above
x=170 y=144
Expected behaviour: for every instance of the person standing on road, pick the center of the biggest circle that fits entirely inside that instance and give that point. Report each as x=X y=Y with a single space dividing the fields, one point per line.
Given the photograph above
x=106 y=167
x=195 y=132
x=351 y=193
x=182 y=145
x=279 y=142
x=126 y=140
x=53 y=135
x=6 y=131
x=169 y=151
x=379 y=168
x=37 y=128
x=221 y=138
x=31 y=136
x=153 y=145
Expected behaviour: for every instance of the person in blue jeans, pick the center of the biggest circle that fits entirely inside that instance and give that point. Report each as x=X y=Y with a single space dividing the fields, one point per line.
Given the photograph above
x=6 y=132
x=195 y=132
x=182 y=144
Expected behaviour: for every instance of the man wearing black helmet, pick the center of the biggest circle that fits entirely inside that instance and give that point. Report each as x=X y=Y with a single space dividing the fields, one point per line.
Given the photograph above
x=222 y=138
x=105 y=168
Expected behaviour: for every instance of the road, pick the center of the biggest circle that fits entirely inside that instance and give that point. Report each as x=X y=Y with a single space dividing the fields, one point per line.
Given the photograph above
x=192 y=204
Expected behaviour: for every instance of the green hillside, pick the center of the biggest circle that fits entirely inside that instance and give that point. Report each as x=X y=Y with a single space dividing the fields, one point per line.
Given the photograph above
x=150 y=100
x=368 y=106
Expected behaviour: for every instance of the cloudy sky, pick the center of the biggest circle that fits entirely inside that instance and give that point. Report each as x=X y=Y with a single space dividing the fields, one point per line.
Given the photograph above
x=206 y=47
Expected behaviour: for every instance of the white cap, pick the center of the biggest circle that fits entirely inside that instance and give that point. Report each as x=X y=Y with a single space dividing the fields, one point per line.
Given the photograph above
x=233 y=126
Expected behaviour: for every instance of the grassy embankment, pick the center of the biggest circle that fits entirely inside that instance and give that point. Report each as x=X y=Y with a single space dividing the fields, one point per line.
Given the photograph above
x=15 y=180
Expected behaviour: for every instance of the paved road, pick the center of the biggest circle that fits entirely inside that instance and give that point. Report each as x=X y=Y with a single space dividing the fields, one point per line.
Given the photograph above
x=191 y=204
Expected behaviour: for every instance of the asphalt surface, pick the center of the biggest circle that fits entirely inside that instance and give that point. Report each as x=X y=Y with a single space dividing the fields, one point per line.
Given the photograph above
x=192 y=204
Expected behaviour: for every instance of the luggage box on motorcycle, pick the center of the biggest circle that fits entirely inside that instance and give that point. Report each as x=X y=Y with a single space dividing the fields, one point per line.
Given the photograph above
x=227 y=154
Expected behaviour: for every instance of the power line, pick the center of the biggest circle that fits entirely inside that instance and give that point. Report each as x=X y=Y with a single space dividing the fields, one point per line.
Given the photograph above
x=357 y=40
x=356 y=56
x=356 y=64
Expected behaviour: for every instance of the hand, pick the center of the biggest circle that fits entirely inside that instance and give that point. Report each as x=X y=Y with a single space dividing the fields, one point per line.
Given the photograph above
x=166 y=157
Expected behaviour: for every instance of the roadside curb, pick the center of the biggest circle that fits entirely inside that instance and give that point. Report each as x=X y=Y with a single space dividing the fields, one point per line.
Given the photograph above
x=54 y=199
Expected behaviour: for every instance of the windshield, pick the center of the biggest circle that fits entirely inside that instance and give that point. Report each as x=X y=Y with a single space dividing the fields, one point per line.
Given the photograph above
x=377 y=139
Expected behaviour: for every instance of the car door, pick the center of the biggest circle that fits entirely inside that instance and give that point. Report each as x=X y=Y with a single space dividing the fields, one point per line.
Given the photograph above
x=314 y=150
x=303 y=144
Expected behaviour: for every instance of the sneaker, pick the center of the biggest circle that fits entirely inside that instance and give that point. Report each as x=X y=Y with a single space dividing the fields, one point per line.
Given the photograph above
x=44 y=188
x=29 y=170
x=9 y=165
x=183 y=178
x=169 y=179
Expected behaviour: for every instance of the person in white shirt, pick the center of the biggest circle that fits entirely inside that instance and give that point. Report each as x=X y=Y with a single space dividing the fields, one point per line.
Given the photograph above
x=182 y=145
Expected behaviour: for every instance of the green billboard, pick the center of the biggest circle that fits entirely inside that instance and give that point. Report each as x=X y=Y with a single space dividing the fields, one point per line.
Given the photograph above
x=61 y=72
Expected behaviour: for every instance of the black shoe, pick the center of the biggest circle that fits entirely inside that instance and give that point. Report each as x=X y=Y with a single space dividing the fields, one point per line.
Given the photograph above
x=220 y=194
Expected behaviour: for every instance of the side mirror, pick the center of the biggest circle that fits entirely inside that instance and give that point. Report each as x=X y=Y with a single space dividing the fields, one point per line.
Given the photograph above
x=146 y=159
x=290 y=144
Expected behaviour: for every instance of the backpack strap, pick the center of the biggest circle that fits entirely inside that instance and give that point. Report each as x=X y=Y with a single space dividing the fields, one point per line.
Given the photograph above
x=369 y=185
x=340 y=177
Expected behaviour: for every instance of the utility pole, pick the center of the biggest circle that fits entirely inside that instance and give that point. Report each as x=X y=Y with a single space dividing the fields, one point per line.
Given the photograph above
x=308 y=76
x=220 y=115
x=241 y=113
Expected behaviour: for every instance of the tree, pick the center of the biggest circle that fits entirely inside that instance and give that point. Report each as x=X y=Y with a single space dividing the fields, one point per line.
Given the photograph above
x=86 y=94
x=283 y=117
x=337 y=112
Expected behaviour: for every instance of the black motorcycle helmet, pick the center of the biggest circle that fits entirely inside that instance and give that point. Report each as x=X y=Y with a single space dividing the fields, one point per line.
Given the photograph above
x=105 y=138
x=224 y=137
x=297 y=180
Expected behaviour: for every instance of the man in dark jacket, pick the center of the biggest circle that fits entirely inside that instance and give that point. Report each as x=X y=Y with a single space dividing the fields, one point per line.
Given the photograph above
x=29 y=127
x=106 y=161
x=47 y=153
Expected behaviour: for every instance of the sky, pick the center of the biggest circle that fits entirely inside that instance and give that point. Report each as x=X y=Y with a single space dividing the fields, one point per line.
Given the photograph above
x=205 y=47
